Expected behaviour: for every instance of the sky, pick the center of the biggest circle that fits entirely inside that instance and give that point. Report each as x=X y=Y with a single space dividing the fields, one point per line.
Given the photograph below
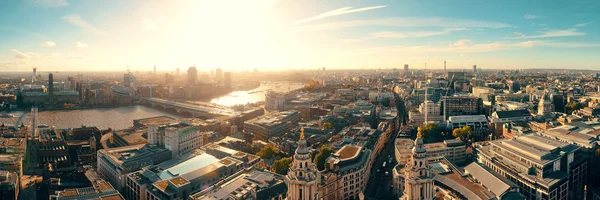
x=78 y=35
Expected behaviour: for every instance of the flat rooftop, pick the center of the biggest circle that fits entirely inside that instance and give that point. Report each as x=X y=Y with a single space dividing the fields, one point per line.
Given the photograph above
x=348 y=151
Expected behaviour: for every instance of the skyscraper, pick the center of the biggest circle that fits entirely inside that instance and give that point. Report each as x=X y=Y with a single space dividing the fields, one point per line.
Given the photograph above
x=445 y=68
x=219 y=74
x=405 y=68
x=34 y=74
x=474 y=68
x=51 y=88
x=192 y=75
x=227 y=80
x=177 y=72
x=154 y=69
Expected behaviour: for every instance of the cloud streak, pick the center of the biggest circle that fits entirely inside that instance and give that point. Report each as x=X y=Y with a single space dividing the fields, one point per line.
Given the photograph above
x=405 y=22
x=20 y=55
x=583 y=24
x=530 y=16
x=416 y=34
x=48 y=44
x=552 y=33
x=77 y=20
x=336 y=12
x=80 y=45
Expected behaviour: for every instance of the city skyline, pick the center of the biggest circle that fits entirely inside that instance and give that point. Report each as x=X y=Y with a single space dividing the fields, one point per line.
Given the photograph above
x=65 y=35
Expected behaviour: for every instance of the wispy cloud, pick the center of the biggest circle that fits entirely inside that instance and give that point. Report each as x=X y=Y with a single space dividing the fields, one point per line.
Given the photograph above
x=551 y=33
x=20 y=55
x=76 y=20
x=48 y=3
x=150 y=25
x=461 y=43
x=405 y=22
x=583 y=24
x=336 y=12
x=80 y=45
x=417 y=34
x=530 y=16
x=48 y=44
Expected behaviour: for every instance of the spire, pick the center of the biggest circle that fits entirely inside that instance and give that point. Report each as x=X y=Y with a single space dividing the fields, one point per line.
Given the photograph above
x=302 y=147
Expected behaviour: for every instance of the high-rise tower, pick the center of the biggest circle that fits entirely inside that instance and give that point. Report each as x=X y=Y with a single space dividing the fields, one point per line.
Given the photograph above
x=192 y=75
x=51 y=88
x=303 y=177
x=445 y=72
x=34 y=74
x=474 y=68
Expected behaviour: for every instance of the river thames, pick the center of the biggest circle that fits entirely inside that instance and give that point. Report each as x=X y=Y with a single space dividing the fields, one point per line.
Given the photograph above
x=122 y=117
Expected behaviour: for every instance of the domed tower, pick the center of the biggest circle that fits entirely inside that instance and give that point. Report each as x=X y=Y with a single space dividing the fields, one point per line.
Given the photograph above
x=418 y=177
x=545 y=106
x=303 y=177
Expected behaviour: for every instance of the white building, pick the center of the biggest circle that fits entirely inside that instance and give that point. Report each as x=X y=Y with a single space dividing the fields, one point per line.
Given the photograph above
x=303 y=178
x=180 y=138
x=418 y=182
x=274 y=100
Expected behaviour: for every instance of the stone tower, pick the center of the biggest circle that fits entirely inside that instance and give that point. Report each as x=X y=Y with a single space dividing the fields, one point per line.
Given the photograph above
x=303 y=177
x=418 y=177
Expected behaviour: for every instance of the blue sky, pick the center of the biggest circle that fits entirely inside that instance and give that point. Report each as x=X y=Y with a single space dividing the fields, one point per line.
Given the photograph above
x=282 y=34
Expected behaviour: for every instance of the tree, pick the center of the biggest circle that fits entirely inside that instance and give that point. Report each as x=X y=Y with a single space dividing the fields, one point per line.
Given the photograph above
x=463 y=133
x=267 y=152
x=327 y=125
x=573 y=106
x=324 y=153
x=282 y=165
x=386 y=102
x=430 y=133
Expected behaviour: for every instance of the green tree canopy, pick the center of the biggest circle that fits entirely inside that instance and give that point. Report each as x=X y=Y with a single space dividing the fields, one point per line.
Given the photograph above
x=327 y=125
x=573 y=106
x=267 y=152
x=282 y=165
x=463 y=133
x=324 y=153
x=430 y=133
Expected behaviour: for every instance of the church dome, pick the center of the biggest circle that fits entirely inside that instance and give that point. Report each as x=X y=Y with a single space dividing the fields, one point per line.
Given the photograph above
x=419 y=147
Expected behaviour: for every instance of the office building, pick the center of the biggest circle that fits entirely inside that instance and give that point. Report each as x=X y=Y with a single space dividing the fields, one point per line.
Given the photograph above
x=252 y=184
x=461 y=105
x=51 y=88
x=543 y=168
x=192 y=74
x=275 y=100
x=474 y=68
x=100 y=190
x=405 y=68
x=196 y=173
x=273 y=124
x=478 y=123
x=9 y=185
x=227 y=80
x=346 y=172
x=115 y=163
x=219 y=74
x=506 y=116
x=454 y=150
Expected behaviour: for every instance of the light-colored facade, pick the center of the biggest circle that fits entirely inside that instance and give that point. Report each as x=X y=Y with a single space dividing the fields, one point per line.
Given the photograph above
x=115 y=163
x=346 y=173
x=193 y=174
x=418 y=182
x=303 y=177
x=274 y=124
x=542 y=167
x=183 y=140
x=275 y=100
x=478 y=123
x=454 y=150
